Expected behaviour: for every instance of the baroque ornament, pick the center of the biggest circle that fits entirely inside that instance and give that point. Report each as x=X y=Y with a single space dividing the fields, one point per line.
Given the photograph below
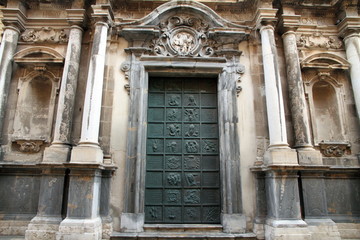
x=318 y=40
x=333 y=149
x=183 y=36
x=45 y=34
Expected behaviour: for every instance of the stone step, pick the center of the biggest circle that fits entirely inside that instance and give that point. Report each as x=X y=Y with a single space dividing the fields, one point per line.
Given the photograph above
x=161 y=235
x=183 y=228
x=12 y=237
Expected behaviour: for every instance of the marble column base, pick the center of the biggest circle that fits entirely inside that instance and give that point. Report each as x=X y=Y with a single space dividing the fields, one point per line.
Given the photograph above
x=80 y=229
x=280 y=156
x=57 y=154
x=43 y=228
x=132 y=222
x=323 y=229
x=286 y=229
x=84 y=153
x=233 y=223
x=309 y=157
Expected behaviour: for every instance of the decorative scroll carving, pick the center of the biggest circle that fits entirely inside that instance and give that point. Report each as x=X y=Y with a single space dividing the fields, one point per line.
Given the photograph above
x=29 y=146
x=45 y=34
x=318 y=40
x=240 y=70
x=333 y=149
x=183 y=36
x=125 y=67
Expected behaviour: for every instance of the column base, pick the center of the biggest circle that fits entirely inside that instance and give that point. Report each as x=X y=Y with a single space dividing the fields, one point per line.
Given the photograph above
x=80 y=229
x=259 y=227
x=43 y=228
x=132 y=222
x=57 y=154
x=323 y=229
x=309 y=157
x=280 y=156
x=286 y=229
x=89 y=154
x=233 y=223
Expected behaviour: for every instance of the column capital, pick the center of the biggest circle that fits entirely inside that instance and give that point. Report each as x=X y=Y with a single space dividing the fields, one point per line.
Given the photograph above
x=76 y=17
x=349 y=25
x=102 y=13
x=14 y=17
x=289 y=22
x=265 y=17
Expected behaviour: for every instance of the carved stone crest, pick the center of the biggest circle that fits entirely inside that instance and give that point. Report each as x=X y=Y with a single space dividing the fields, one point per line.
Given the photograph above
x=183 y=36
x=29 y=146
x=318 y=40
x=333 y=149
x=45 y=34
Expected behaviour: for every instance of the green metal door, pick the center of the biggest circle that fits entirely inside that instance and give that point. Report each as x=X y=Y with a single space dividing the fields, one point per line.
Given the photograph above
x=182 y=166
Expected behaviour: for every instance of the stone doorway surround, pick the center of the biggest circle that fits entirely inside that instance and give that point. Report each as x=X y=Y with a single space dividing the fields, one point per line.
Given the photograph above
x=183 y=38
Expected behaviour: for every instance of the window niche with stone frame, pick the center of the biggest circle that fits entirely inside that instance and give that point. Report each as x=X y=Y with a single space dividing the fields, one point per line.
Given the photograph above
x=37 y=90
x=324 y=77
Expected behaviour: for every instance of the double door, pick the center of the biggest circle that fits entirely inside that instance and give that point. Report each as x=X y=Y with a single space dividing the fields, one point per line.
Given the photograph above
x=182 y=183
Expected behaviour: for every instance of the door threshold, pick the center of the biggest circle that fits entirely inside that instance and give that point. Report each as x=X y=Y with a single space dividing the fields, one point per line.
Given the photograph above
x=183 y=227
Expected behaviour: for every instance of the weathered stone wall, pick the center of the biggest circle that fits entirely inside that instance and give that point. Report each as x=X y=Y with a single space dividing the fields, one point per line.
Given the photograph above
x=309 y=192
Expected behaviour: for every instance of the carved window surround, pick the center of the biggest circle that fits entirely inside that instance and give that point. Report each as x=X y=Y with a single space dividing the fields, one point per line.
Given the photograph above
x=36 y=97
x=319 y=69
x=182 y=40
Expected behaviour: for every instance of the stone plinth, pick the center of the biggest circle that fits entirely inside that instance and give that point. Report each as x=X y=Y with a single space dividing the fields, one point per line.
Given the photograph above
x=280 y=156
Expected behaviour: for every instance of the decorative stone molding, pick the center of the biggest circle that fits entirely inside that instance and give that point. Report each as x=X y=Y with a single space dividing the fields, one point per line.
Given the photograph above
x=318 y=40
x=334 y=149
x=45 y=34
x=36 y=56
x=29 y=146
x=183 y=34
x=325 y=61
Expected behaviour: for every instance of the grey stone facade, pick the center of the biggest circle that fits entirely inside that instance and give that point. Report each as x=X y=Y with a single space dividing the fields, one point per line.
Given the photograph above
x=74 y=112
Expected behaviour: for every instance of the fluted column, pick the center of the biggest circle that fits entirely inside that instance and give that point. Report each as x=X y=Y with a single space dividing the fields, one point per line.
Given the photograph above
x=7 y=51
x=352 y=46
x=88 y=149
x=60 y=148
x=274 y=98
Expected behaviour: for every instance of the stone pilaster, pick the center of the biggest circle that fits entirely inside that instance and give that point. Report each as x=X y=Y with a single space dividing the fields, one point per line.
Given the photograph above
x=59 y=151
x=88 y=150
x=300 y=117
x=278 y=152
x=82 y=220
x=283 y=206
x=14 y=20
x=46 y=223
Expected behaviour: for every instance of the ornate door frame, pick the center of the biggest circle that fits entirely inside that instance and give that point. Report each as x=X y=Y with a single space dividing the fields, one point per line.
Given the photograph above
x=195 y=42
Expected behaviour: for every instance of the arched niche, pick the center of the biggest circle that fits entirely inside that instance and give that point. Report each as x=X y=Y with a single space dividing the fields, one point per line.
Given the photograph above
x=326 y=112
x=36 y=96
x=35 y=110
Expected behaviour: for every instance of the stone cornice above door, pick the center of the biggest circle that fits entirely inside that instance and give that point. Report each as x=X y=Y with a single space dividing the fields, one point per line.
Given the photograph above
x=183 y=29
